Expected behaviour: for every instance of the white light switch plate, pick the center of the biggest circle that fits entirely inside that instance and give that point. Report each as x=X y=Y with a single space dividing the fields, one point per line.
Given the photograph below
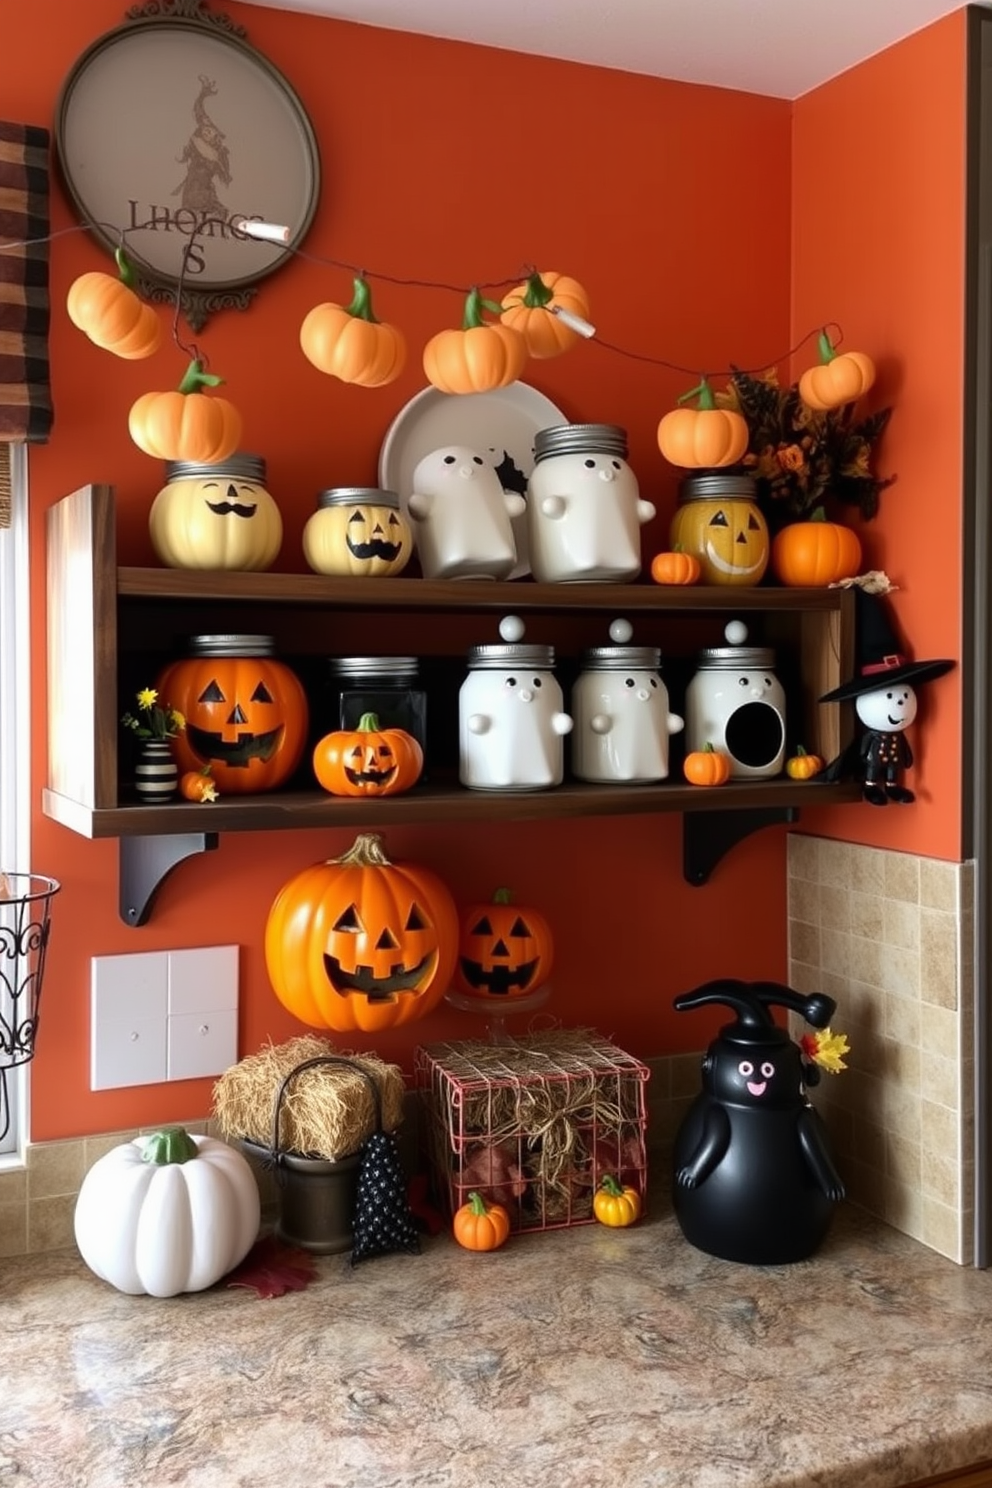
x=202 y=1044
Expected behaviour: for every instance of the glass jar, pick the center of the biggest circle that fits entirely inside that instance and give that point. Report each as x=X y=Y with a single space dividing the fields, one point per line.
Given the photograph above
x=358 y=531
x=387 y=686
x=511 y=719
x=622 y=718
x=719 y=521
x=584 y=511
x=216 y=516
x=736 y=703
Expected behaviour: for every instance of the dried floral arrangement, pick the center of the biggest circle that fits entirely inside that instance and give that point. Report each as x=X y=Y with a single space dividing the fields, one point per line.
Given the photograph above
x=803 y=459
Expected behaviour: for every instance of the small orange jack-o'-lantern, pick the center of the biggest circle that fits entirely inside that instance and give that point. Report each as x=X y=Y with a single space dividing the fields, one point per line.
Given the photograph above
x=720 y=523
x=368 y=760
x=505 y=950
x=246 y=713
x=359 y=942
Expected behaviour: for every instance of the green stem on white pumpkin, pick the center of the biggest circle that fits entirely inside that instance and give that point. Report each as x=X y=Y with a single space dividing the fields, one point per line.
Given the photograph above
x=824 y=347
x=474 y=306
x=536 y=294
x=194 y=378
x=366 y=851
x=171 y=1145
x=124 y=267
x=361 y=303
x=703 y=392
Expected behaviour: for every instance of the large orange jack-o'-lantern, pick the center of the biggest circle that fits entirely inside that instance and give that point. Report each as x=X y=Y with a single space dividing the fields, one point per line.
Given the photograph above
x=246 y=713
x=505 y=950
x=359 y=942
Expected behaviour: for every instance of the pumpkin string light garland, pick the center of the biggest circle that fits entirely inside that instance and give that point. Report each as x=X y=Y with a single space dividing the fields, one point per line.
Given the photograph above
x=112 y=314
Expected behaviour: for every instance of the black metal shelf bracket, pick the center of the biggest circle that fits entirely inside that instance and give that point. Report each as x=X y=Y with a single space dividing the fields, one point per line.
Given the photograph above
x=145 y=862
x=708 y=835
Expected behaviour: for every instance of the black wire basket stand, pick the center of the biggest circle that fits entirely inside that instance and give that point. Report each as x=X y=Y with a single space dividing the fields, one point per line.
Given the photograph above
x=25 y=924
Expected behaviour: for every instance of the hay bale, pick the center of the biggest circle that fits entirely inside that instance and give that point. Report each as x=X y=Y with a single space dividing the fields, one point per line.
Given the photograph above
x=326 y=1112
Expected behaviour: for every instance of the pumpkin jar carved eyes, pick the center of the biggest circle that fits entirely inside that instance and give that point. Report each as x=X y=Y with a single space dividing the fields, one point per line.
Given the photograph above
x=719 y=522
x=358 y=531
x=504 y=950
x=368 y=760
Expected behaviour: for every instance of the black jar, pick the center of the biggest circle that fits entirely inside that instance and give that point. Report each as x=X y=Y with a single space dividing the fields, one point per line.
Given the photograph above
x=388 y=686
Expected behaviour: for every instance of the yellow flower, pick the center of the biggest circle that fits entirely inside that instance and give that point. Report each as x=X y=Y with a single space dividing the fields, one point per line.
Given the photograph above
x=147 y=697
x=178 y=719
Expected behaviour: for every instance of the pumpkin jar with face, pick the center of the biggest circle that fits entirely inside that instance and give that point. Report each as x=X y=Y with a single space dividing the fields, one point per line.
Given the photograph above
x=719 y=522
x=361 y=943
x=216 y=516
x=358 y=531
x=506 y=950
x=246 y=712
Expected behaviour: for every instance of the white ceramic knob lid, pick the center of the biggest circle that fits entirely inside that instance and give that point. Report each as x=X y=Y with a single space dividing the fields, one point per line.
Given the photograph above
x=621 y=631
x=512 y=628
x=736 y=632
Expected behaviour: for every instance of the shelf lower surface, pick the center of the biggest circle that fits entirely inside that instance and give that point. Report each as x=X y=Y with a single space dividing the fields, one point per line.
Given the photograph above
x=436 y=803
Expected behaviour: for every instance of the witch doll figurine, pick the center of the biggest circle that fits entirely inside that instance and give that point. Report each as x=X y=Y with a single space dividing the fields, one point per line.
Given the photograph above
x=885 y=701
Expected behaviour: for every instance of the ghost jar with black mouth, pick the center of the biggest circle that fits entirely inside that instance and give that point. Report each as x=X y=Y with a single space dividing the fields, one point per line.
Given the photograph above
x=216 y=516
x=361 y=943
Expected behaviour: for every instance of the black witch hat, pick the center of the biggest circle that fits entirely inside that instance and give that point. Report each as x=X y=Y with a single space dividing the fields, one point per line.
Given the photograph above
x=881 y=661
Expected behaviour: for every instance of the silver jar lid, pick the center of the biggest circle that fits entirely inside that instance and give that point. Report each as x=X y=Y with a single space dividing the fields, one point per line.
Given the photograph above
x=232 y=645
x=572 y=439
x=499 y=658
x=373 y=666
x=357 y=496
x=738 y=658
x=714 y=484
x=239 y=466
x=623 y=658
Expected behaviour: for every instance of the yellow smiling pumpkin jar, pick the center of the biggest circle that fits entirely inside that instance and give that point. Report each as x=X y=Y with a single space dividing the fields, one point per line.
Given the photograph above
x=718 y=520
x=216 y=516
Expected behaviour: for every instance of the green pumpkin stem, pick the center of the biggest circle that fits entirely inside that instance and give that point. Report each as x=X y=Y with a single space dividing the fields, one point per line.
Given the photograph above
x=194 y=378
x=366 y=851
x=503 y=896
x=478 y=1204
x=361 y=303
x=125 y=268
x=611 y=1185
x=171 y=1145
x=703 y=392
x=819 y=515
x=368 y=723
x=537 y=294
x=474 y=306
x=825 y=348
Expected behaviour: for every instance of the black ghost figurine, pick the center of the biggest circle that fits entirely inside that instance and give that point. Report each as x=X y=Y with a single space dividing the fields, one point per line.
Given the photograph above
x=754 y=1179
x=382 y=1220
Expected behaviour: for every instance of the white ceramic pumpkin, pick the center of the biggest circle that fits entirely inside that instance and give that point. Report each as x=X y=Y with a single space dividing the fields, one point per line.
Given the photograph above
x=216 y=517
x=165 y=1214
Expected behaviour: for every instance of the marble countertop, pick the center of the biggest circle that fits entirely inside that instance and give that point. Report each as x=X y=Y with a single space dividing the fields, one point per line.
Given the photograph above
x=573 y=1358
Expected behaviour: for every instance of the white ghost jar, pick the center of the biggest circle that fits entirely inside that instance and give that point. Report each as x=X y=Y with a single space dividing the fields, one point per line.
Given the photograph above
x=511 y=718
x=621 y=713
x=736 y=703
x=584 y=510
x=462 y=517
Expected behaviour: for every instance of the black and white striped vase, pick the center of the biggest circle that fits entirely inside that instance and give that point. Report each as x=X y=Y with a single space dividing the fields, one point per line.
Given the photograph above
x=156 y=775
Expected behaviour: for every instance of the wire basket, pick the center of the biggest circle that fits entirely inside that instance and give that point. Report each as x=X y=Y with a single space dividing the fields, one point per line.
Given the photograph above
x=25 y=922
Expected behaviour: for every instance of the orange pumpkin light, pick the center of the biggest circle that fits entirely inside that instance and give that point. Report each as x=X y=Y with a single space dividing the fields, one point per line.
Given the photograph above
x=505 y=950
x=186 y=424
x=482 y=356
x=676 y=567
x=705 y=437
x=706 y=766
x=808 y=555
x=530 y=309
x=359 y=942
x=112 y=315
x=368 y=760
x=346 y=341
x=840 y=378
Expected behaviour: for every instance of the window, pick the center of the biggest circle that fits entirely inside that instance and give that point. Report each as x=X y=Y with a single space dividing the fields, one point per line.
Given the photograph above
x=15 y=726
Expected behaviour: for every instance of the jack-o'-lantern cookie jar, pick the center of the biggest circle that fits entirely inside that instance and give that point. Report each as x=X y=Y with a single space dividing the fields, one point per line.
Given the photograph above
x=719 y=521
x=246 y=712
x=216 y=516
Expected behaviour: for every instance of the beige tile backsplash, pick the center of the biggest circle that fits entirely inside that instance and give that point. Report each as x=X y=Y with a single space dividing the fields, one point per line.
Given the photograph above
x=886 y=934
x=889 y=936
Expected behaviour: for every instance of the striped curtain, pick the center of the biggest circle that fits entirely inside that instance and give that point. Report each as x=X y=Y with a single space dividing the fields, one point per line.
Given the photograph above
x=25 y=393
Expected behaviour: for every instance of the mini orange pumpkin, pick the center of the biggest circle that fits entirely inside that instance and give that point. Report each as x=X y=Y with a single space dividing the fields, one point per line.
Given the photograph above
x=482 y=356
x=198 y=785
x=480 y=1226
x=346 y=341
x=813 y=554
x=186 y=424
x=840 y=378
x=676 y=567
x=530 y=309
x=706 y=766
x=112 y=314
x=704 y=437
x=359 y=942
x=505 y=950
x=368 y=760
x=803 y=766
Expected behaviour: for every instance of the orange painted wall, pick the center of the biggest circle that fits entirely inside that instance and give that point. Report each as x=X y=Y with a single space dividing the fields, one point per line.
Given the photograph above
x=878 y=192
x=450 y=164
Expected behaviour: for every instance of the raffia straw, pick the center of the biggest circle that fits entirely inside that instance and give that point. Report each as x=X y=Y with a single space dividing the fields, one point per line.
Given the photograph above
x=326 y=1112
